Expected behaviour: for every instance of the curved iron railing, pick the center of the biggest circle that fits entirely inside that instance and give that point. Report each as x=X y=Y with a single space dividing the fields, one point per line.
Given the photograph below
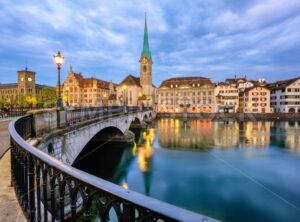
x=49 y=190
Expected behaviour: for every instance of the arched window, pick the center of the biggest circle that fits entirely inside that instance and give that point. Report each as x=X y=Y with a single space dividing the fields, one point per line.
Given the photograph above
x=144 y=68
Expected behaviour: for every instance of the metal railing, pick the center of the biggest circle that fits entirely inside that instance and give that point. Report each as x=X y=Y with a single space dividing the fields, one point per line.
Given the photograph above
x=49 y=190
x=14 y=112
x=74 y=116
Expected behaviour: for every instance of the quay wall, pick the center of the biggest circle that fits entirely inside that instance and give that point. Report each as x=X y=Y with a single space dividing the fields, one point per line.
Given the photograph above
x=234 y=116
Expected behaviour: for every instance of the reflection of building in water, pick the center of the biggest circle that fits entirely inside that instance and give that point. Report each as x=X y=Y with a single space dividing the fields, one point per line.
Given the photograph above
x=145 y=153
x=193 y=134
x=226 y=134
x=292 y=136
x=256 y=133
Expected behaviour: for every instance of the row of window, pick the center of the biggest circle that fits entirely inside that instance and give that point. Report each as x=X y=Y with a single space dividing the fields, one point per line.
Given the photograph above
x=15 y=91
x=228 y=91
x=174 y=102
x=185 y=94
x=286 y=97
x=228 y=97
x=290 y=103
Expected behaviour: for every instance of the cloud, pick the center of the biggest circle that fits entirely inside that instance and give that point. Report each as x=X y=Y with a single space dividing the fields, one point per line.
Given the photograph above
x=104 y=38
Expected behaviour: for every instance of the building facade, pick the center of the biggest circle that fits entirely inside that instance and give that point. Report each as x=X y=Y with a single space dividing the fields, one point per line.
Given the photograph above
x=25 y=87
x=139 y=91
x=285 y=96
x=186 y=94
x=226 y=98
x=78 y=91
x=255 y=99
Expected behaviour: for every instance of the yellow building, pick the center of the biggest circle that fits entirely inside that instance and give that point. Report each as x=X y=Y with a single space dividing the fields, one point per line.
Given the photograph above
x=227 y=98
x=78 y=91
x=26 y=86
x=186 y=94
x=255 y=99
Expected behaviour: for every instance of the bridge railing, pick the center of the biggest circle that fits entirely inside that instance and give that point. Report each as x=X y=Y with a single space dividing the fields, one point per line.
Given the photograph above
x=82 y=114
x=49 y=190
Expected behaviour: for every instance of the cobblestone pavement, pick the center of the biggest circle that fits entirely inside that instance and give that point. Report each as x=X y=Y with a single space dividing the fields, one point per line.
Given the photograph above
x=10 y=209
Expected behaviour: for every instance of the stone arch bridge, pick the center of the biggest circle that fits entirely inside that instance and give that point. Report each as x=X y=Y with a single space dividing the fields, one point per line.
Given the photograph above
x=78 y=129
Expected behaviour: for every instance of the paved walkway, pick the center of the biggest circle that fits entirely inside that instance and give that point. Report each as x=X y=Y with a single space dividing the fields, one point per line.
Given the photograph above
x=4 y=136
x=10 y=209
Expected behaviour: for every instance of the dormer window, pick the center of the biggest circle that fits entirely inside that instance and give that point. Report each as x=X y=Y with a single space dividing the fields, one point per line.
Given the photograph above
x=198 y=84
x=193 y=84
x=176 y=85
x=171 y=85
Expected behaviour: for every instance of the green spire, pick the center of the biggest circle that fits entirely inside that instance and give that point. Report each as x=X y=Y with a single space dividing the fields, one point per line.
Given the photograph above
x=146 y=50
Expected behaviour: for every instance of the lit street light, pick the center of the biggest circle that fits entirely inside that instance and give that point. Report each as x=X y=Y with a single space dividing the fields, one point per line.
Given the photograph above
x=59 y=59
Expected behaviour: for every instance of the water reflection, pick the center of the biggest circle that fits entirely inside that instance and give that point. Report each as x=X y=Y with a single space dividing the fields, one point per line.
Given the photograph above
x=160 y=164
x=205 y=134
x=194 y=134
x=144 y=159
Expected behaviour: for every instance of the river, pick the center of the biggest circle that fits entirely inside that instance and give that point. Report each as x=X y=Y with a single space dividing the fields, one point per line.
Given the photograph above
x=231 y=171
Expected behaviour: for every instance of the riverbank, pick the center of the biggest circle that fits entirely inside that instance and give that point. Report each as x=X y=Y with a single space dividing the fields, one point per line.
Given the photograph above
x=234 y=116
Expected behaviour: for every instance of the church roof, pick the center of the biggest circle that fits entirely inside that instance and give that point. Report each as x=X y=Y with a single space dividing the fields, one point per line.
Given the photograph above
x=146 y=49
x=131 y=80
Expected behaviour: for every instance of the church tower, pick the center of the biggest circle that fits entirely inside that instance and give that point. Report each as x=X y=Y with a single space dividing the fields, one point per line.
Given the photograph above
x=146 y=65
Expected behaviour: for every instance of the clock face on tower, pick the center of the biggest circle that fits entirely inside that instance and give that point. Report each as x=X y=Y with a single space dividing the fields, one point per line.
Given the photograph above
x=144 y=61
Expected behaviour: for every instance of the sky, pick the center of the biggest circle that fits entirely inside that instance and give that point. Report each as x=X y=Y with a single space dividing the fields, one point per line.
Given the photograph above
x=217 y=39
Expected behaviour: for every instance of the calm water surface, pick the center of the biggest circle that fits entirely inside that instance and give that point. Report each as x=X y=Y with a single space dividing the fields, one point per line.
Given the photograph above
x=227 y=170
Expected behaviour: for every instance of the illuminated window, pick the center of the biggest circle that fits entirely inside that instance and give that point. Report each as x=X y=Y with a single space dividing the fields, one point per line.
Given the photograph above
x=29 y=79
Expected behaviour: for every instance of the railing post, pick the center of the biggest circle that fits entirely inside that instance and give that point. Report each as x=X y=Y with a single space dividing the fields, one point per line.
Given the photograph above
x=62 y=207
x=31 y=189
x=45 y=199
x=38 y=192
x=128 y=212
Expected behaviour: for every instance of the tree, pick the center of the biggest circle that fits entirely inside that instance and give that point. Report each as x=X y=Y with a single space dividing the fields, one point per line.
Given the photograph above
x=7 y=102
x=31 y=101
x=1 y=103
x=47 y=97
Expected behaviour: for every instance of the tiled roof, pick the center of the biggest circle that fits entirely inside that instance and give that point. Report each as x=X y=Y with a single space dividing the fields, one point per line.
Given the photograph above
x=42 y=86
x=282 y=84
x=131 y=80
x=250 y=88
x=5 y=85
x=223 y=84
x=186 y=81
x=84 y=82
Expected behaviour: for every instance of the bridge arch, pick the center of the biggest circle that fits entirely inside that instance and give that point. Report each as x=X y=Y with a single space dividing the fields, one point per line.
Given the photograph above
x=103 y=136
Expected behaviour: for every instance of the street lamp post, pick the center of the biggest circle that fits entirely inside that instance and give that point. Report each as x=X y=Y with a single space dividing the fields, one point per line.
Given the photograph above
x=58 y=59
